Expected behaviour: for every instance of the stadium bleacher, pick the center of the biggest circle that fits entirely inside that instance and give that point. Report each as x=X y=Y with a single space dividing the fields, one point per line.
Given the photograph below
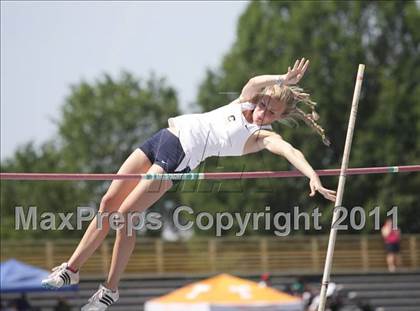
x=384 y=291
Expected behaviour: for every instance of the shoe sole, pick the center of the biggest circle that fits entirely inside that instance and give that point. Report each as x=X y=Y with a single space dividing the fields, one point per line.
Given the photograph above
x=48 y=286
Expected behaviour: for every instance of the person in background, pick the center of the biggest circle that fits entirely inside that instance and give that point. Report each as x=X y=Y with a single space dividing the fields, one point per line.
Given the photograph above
x=298 y=287
x=265 y=280
x=392 y=237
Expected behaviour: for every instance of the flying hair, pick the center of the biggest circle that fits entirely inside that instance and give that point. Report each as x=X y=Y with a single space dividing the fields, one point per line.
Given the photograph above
x=292 y=97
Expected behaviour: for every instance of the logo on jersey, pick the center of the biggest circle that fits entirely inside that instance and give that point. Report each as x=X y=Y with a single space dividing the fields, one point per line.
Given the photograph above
x=231 y=118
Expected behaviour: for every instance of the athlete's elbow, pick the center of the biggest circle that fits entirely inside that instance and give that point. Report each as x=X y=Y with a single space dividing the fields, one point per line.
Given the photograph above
x=249 y=85
x=251 y=81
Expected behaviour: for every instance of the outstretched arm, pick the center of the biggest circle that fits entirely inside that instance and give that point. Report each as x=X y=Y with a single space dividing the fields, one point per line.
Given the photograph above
x=275 y=144
x=293 y=76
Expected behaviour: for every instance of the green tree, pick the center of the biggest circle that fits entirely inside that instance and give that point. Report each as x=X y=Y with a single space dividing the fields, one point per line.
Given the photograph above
x=47 y=196
x=100 y=124
x=336 y=36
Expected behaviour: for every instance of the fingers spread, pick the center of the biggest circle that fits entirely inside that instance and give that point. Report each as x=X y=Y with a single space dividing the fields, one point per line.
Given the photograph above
x=328 y=194
x=329 y=191
x=302 y=61
x=296 y=65
x=305 y=67
x=331 y=197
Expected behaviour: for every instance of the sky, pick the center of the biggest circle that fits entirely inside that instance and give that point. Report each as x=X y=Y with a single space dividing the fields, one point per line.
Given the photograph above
x=47 y=46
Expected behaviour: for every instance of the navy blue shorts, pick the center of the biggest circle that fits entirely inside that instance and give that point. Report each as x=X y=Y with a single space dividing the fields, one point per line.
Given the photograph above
x=165 y=150
x=392 y=247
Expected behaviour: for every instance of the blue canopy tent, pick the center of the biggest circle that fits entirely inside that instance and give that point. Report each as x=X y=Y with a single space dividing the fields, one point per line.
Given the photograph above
x=16 y=276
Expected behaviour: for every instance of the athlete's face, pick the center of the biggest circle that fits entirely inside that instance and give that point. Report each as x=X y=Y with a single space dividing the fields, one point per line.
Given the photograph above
x=267 y=111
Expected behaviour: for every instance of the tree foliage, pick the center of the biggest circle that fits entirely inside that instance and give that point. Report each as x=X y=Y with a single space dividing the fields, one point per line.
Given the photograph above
x=100 y=124
x=336 y=36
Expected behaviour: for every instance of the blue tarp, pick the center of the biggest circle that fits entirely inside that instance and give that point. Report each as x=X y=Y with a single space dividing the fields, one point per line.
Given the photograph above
x=16 y=276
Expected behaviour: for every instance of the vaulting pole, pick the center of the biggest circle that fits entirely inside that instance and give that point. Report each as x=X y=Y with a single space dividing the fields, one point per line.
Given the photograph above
x=340 y=191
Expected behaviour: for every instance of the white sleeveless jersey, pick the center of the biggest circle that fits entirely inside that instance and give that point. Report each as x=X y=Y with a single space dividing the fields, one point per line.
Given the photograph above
x=220 y=132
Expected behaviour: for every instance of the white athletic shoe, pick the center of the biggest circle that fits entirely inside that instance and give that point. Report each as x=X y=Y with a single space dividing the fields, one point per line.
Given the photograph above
x=60 y=277
x=101 y=300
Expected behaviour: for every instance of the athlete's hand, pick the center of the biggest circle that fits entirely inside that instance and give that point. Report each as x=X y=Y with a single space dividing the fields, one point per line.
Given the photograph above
x=315 y=185
x=296 y=73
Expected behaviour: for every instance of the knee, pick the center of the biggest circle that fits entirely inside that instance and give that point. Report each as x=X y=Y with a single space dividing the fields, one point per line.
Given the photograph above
x=126 y=233
x=108 y=204
x=126 y=209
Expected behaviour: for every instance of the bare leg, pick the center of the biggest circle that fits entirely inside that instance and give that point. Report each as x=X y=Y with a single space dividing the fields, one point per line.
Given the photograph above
x=142 y=197
x=390 y=258
x=397 y=260
x=136 y=163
